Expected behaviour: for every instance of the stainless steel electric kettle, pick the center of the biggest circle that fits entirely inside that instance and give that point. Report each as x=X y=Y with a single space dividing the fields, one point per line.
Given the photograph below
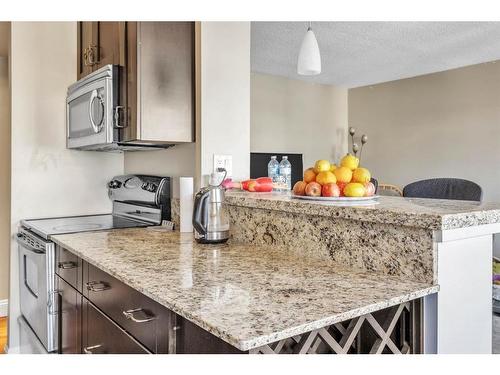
x=210 y=220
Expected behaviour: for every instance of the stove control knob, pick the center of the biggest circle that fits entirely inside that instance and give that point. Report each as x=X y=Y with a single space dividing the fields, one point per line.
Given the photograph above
x=114 y=184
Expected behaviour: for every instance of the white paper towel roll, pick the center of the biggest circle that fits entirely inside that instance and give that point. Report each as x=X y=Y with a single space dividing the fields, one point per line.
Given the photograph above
x=186 y=204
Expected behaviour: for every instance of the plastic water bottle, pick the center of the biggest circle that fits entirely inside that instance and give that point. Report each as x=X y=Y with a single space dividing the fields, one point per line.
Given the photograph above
x=273 y=169
x=286 y=172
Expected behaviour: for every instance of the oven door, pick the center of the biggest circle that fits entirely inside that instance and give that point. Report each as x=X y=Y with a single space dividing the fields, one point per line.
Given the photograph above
x=36 y=286
x=89 y=109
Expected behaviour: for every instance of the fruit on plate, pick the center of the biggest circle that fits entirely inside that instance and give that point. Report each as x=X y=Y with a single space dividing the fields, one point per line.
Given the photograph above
x=330 y=190
x=361 y=175
x=343 y=174
x=354 y=189
x=321 y=166
x=300 y=188
x=309 y=175
x=370 y=189
x=326 y=177
x=313 y=189
x=341 y=186
x=332 y=167
x=350 y=161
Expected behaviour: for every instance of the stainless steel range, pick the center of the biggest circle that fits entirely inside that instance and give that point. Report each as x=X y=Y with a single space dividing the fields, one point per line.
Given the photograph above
x=138 y=201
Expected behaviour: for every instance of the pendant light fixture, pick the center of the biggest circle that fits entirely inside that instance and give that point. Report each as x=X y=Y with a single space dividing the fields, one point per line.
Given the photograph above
x=309 y=63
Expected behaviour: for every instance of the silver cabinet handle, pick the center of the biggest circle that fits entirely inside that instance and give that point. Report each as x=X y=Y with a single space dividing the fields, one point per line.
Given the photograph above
x=67 y=265
x=97 y=286
x=130 y=315
x=88 y=349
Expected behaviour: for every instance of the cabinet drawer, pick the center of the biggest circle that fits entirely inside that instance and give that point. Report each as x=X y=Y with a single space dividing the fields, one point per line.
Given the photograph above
x=103 y=336
x=144 y=319
x=69 y=267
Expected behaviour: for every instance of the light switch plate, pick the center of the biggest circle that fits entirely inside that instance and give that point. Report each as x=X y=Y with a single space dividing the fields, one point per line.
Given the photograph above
x=224 y=161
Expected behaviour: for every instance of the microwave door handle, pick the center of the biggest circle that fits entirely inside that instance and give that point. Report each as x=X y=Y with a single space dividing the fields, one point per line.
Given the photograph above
x=94 y=96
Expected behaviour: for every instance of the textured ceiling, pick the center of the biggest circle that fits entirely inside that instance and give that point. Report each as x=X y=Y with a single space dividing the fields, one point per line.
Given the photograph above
x=357 y=54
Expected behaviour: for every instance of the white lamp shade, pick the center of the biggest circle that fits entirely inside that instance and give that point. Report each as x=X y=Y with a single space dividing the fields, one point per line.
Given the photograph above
x=309 y=63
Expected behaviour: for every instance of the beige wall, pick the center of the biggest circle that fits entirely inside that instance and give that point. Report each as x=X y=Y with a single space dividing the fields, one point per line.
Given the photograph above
x=4 y=176
x=439 y=125
x=298 y=117
x=47 y=179
x=225 y=95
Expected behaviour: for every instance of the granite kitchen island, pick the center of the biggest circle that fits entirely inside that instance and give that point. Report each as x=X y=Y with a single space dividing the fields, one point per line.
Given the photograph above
x=440 y=242
x=247 y=295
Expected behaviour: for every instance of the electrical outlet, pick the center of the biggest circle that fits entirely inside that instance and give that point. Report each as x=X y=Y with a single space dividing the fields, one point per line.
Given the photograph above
x=224 y=161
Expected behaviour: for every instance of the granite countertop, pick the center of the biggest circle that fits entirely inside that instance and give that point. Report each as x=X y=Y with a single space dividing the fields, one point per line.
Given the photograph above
x=437 y=214
x=247 y=295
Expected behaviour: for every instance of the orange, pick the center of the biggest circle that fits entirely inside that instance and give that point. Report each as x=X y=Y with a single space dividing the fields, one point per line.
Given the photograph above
x=321 y=166
x=324 y=178
x=343 y=174
x=361 y=175
x=309 y=175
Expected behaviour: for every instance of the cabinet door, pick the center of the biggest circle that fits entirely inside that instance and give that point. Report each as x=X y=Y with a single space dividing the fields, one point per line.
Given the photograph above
x=100 y=335
x=109 y=37
x=84 y=46
x=191 y=339
x=69 y=314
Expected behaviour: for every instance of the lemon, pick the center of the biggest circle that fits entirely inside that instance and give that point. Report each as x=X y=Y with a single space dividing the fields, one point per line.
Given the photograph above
x=343 y=174
x=350 y=161
x=332 y=167
x=361 y=175
x=354 y=189
x=321 y=166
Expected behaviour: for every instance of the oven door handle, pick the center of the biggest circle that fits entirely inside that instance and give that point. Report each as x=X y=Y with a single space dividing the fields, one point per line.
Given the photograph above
x=27 y=246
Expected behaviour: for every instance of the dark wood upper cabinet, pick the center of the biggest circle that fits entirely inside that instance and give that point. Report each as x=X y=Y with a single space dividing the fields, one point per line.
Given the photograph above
x=84 y=43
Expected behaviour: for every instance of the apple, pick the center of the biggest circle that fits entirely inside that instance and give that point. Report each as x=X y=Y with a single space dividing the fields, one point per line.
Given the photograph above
x=330 y=190
x=370 y=189
x=300 y=188
x=313 y=189
x=341 y=186
x=252 y=185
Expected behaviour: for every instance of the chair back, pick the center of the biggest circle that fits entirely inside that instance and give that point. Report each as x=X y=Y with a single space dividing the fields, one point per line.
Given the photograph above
x=444 y=188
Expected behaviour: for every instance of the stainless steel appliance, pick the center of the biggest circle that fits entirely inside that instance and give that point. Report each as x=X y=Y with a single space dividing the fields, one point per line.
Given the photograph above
x=210 y=220
x=138 y=201
x=149 y=102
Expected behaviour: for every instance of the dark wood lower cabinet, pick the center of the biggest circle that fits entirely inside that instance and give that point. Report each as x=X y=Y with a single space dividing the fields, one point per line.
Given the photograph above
x=100 y=335
x=69 y=317
x=192 y=339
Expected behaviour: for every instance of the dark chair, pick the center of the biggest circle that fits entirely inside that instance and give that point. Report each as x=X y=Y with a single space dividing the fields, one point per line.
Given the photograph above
x=444 y=188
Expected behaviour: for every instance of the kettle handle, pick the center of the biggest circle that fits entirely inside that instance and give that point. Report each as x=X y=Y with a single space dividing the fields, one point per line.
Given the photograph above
x=200 y=214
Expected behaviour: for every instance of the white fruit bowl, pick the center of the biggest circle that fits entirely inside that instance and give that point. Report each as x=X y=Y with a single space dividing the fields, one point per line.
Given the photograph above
x=373 y=199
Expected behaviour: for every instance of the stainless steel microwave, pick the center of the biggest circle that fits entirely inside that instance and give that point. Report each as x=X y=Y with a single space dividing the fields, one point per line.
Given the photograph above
x=92 y=110
x=155 y=104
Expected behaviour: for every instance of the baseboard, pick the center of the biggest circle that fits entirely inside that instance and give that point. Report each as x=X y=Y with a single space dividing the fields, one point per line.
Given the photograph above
x=4 y=307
